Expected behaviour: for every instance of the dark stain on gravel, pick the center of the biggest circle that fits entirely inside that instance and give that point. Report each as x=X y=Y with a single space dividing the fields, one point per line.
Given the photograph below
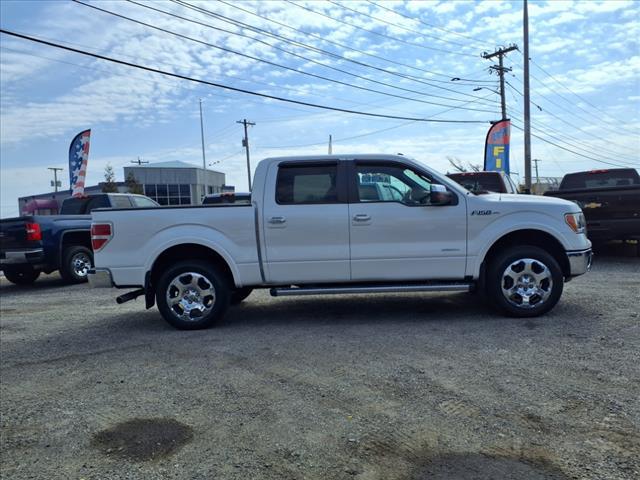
x=143 y=439
x=478 y=466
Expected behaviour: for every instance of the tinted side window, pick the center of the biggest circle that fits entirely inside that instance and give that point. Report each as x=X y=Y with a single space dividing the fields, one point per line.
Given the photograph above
x=297 y=185
x=143 y=202
x=100 y=201
x=120 y=202
x=73 y=206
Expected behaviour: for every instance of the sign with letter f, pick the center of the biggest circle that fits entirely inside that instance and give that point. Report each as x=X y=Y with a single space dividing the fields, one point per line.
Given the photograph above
x=496 y=147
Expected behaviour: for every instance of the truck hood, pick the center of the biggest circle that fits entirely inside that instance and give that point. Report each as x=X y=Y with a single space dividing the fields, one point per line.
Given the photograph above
x=529 y=200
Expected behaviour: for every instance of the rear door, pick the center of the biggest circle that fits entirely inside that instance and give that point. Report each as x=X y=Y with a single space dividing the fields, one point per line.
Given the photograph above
x=306 y=223
x=395 y=233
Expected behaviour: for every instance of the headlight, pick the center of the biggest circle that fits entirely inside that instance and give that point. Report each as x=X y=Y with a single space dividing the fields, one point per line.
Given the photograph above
x=576 y=222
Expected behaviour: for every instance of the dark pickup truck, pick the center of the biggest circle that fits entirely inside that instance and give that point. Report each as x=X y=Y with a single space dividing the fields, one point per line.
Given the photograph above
x=485 y=182
x=610 y=200
x=33 y=244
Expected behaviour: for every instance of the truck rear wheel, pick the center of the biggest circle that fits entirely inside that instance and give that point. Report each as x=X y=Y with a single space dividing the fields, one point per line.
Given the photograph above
x=192 y=295
x=524 y=281
x=21 y=275
x=76 y=262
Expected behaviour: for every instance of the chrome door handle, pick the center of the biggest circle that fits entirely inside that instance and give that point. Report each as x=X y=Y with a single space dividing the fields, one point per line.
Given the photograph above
x=277 y=220
x=361 y=217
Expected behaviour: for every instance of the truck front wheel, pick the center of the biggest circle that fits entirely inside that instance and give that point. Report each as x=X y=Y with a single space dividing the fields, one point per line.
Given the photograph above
x=22 y=275
x=76 y=262
x=524 y=281
x=192 y=295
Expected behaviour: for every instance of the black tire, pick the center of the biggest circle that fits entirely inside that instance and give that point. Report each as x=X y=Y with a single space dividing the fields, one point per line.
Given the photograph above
x=549 y=283
x=239 y=294
x=204 y=277
x=21 y=275
x=76 y=262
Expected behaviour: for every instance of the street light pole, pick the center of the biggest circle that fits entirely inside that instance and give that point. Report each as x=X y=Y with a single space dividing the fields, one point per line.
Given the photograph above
x=527 y=104
x=204 y=162
x=55 y=177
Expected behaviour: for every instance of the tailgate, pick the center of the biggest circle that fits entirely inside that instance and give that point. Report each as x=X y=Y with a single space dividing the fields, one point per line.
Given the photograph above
x=13 y=234
x=606 y=204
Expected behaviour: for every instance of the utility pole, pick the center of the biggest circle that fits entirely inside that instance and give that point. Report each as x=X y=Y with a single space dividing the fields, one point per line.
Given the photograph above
x=139 y=161
x=330 y=146
x=500 y=68
x=245 y=144
x=536 y=160
x=204 y=162
x=527 y=102
x=55 y=183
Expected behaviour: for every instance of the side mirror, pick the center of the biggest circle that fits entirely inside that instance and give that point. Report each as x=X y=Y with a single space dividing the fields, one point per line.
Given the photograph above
x=440 y=195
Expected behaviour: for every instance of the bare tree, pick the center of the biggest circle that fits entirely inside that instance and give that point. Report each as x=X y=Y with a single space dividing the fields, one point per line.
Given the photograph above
x=457 y=164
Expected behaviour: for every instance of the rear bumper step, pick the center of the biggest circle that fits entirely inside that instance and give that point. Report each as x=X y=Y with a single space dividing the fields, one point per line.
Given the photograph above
x=349 y=289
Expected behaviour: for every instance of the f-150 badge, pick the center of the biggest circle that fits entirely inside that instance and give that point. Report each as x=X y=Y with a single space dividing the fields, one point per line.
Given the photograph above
x=484 y=212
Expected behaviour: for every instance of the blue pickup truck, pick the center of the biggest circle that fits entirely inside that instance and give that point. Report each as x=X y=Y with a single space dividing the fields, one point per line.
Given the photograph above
x=33 y=244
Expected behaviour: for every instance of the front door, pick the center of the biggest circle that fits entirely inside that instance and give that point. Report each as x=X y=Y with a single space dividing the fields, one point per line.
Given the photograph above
x=395 y=233
x=306 y=223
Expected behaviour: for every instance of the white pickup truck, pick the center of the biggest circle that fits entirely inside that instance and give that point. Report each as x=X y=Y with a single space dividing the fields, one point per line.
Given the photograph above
x=342 y=224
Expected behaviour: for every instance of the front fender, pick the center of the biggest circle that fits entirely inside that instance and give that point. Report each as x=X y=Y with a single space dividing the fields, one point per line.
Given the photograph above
x=481 y=240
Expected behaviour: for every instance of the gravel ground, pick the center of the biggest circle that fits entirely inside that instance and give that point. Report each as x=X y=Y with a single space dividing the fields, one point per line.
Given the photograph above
x=404 y=386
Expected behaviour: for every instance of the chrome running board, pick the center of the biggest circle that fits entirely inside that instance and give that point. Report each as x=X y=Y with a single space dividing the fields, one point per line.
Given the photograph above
x=349 y=289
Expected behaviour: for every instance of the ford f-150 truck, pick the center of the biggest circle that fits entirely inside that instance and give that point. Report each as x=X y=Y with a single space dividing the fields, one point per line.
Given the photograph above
x=610 y=200
x=342 y=224
x=33 y=244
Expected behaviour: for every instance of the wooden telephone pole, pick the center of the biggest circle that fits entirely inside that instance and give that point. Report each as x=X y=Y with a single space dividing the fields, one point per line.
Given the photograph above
x=500 y=69
x=245 y=144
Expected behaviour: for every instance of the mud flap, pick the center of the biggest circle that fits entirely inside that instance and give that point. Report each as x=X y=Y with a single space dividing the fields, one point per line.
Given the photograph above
x=149 y=292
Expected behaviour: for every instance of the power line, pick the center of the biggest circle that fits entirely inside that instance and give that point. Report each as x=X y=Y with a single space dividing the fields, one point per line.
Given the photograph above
x=228 y=87
x=568 y=149
x=308 y=47
x=179 y=35
x=574 y=93
x=544 y=127
x=428 y=24
x=374 y=132
x=332 y=42
x=174 y=83
x=297 y=43
x=344 y=7
x=575 y=126
x=576 y=115
x=372 y=32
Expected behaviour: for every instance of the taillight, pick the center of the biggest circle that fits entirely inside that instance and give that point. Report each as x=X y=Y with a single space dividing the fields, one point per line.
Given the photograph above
x=101 y=233
x=34 y=233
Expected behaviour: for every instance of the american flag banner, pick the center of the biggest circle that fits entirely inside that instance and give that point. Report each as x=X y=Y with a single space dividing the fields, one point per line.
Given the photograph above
x=78 y=157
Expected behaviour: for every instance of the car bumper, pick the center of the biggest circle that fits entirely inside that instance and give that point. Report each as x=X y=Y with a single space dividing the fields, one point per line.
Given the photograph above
x=100 y=278
x=34 y=256
x=579 y=262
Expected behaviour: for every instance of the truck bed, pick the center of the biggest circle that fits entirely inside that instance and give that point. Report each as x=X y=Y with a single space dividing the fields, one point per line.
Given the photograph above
x=612 y=213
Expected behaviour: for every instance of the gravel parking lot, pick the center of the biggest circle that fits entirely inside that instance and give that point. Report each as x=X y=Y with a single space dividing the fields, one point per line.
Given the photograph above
x=405 y=386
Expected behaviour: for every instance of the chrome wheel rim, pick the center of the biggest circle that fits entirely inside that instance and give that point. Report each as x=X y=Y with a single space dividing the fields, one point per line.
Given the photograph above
x=81 y=263
x=526 y=283
x=190 y=296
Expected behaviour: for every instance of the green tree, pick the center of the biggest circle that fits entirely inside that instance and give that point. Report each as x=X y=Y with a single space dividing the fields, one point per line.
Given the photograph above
x=132 y=185
x=109 y=184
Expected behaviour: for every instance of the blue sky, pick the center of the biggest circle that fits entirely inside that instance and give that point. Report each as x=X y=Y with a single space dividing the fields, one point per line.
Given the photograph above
x=589 y=104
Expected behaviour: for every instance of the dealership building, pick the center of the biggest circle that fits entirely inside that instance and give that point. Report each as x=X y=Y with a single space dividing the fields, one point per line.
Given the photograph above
x=176 y=183
x=168 y=183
